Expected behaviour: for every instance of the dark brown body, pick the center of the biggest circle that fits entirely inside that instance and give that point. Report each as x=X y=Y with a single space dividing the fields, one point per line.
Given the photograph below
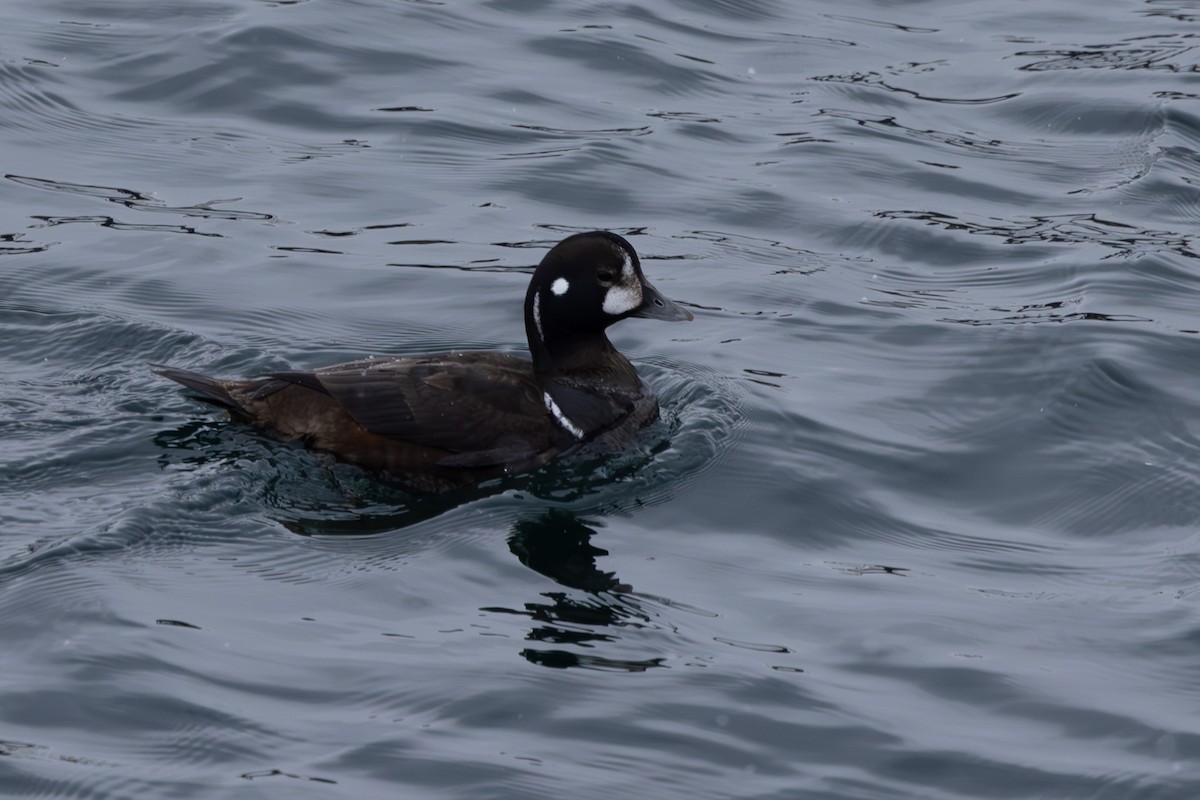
x=452 y=419
x=430 y=422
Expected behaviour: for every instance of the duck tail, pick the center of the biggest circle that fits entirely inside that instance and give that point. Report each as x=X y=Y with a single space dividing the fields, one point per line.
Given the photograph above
x=210 y=390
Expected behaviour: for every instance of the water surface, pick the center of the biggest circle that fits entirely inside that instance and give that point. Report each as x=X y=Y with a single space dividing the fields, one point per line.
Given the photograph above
x=920 y=518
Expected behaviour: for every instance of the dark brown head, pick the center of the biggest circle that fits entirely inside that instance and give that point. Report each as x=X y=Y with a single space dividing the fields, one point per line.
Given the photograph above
x=585 y=283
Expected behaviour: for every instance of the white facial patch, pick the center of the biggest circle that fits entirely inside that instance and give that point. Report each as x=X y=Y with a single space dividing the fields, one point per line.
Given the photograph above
x=626 y=295
x=623 y=298
x=560 y=417
x=559 y=287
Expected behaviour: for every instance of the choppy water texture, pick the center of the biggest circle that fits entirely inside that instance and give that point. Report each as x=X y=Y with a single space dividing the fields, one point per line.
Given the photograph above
x=921 y=517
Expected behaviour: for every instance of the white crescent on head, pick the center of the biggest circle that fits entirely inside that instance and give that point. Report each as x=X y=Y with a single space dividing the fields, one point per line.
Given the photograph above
x=537 y=315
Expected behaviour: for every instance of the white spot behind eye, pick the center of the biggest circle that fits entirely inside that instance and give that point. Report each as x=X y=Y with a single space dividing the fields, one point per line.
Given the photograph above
x=559 y=287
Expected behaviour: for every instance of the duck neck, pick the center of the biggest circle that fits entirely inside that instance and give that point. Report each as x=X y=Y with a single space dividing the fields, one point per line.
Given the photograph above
x=575 y=354
x=558 y=353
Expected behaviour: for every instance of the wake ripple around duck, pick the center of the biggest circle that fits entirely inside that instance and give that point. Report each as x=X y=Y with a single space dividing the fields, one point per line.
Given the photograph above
x=308 y=493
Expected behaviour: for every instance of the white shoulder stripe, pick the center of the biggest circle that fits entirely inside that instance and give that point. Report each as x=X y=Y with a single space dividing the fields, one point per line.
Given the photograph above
x=561 y=418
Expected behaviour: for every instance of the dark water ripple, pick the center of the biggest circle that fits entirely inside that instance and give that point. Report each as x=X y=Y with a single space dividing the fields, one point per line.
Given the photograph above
x=918 y=520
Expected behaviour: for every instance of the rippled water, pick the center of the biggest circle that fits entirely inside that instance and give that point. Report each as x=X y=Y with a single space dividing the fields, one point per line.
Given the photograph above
x=920 y=519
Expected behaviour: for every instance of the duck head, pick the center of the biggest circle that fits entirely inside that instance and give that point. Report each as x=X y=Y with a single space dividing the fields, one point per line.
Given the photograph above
x=585 y=283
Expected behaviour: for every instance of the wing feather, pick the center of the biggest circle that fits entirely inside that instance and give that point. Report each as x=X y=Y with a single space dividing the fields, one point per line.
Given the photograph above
x=483 y=408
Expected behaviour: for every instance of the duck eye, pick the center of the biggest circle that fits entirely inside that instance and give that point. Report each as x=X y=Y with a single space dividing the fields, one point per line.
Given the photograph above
x=605 y=277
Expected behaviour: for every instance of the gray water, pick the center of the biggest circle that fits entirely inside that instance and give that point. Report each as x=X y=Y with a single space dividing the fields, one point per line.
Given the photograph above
x=920 y=519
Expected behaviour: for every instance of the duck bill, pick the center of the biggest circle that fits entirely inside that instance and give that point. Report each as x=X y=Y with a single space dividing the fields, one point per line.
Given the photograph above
x=655 y=306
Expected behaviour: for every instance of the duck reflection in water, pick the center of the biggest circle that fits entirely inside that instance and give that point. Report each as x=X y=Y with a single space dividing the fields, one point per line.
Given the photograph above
x=558 y=544
x=593 y=610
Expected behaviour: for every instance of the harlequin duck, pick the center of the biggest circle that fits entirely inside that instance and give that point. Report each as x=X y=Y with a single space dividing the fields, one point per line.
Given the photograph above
x=434 y=422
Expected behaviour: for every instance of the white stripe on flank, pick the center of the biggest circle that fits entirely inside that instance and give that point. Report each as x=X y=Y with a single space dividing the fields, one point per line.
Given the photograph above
x=557 y=413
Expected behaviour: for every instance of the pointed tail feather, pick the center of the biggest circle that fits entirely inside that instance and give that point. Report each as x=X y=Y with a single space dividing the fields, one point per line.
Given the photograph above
x=209 y=389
